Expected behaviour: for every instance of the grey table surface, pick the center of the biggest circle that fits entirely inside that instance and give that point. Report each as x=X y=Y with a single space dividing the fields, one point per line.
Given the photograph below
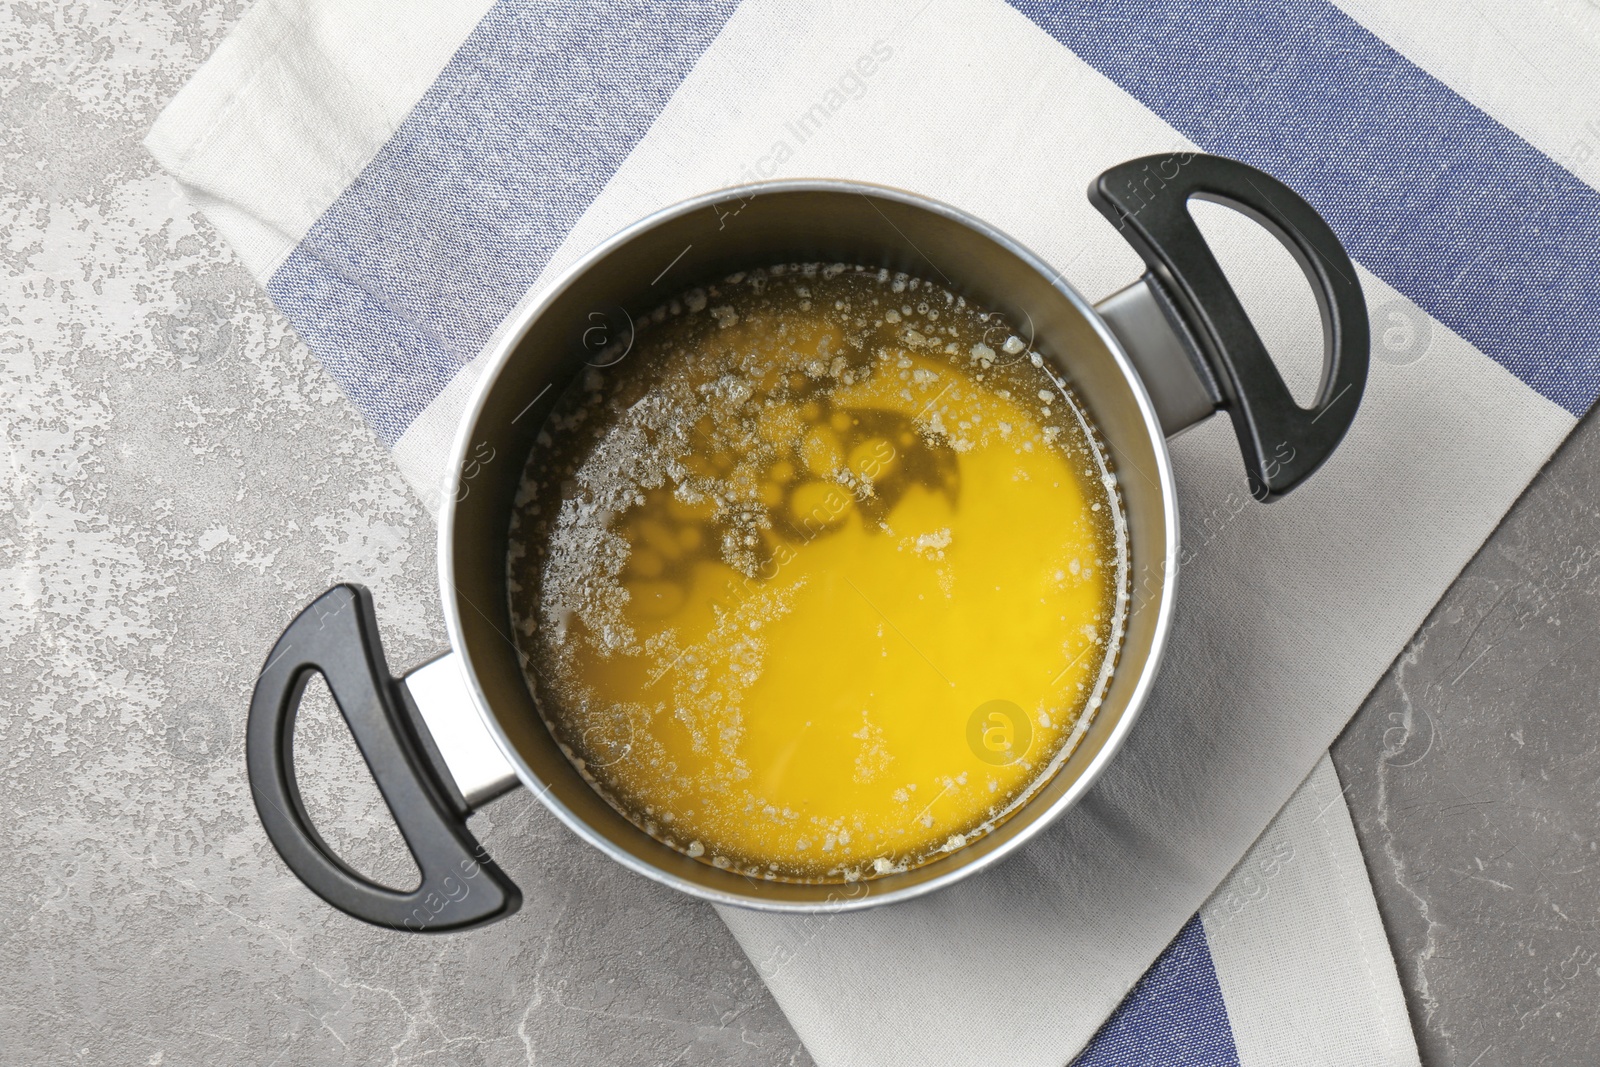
x=181 y=477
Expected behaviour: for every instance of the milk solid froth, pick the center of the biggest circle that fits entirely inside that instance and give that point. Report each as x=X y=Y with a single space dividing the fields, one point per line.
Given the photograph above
x=782 y=573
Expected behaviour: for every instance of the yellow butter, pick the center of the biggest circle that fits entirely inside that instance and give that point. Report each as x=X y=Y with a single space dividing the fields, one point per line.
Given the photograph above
x=819 y=582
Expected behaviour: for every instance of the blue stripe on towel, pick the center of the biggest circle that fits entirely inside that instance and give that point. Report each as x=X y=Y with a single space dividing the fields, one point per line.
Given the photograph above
x=405 y=277
x=1175 y=1015
x=1484 y=232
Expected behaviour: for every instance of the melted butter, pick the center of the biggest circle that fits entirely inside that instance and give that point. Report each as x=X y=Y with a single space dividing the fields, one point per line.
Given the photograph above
x=822 y=581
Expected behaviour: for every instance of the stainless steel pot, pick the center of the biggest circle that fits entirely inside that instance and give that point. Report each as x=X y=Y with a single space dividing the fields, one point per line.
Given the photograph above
x=1160 y=355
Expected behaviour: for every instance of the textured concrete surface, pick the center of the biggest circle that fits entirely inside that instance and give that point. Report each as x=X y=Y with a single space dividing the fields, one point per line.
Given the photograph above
x=179 y=478
x=1472 y=772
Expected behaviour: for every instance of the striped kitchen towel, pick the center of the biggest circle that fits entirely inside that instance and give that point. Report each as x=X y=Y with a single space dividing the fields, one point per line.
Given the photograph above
x=401 y=175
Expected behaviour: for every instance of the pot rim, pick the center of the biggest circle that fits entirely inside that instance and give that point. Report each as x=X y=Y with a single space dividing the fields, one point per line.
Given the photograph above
x=494 y=361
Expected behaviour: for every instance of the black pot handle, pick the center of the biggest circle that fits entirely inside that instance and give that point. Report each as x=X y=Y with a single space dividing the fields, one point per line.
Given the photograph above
x=1283 y=443
x=337 y=636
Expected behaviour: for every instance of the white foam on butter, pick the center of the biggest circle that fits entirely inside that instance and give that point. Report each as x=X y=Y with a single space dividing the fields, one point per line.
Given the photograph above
x=645 y=447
